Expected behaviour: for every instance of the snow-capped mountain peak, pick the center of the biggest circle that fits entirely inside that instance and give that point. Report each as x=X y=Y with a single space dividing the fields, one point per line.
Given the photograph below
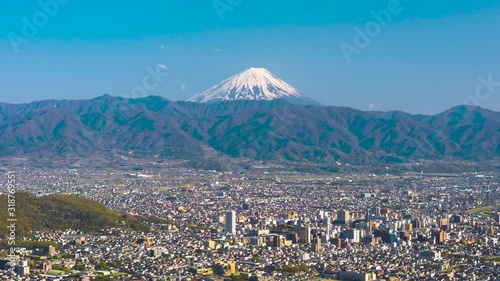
x=252 y=84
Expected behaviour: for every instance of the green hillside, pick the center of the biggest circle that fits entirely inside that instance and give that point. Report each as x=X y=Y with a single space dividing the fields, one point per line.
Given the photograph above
x=59 y=212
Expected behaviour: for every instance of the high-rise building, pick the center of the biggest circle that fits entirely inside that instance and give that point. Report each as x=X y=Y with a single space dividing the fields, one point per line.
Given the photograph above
x=417 y=223
x=305 y=234
x=444 y=224
x=316 y=246
x=46 y=267
x=49 y=250
x=384 y=234
x=352 y=234
x=224 y=268
x=337 y=242
x=156 y=252
x=231 y=222
x=497 y=217
x=22 y=270
x=294 y=237
x=328 y=235
x=343 y=216
x=439 y=236
x=278 y=241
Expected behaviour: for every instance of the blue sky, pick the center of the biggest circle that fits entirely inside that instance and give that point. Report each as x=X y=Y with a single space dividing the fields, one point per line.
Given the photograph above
x=426 y=58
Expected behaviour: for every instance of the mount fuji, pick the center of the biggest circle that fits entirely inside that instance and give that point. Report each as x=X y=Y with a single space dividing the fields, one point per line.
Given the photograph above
x=253 y=84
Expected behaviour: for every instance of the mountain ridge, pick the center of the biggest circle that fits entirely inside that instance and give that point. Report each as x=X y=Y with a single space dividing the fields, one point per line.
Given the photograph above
x=260 y=130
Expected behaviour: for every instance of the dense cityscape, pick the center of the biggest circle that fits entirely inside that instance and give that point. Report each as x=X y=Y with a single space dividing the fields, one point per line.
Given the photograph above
x=233 y=140
x=267 y=224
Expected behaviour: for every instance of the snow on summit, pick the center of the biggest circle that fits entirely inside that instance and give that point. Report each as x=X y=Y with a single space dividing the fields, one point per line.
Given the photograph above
x=252 y=84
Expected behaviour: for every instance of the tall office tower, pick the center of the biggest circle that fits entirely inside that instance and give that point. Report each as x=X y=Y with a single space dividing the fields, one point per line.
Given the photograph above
x=321 y=214
x=316 y=247
x=439 y=236
x=23 y=269
x=444 y=224
x=343 y=216
x=278 y=241
x=352 y=234
x=497 y=217
x=369 y=223
x=231 y=222
x=417 y=223
x=50 y=250
x=305 y=234
x=328 y=235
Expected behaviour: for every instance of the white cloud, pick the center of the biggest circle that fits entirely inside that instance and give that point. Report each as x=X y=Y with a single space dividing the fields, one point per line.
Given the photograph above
x=162 y=46
x=217 y=49
x=183 y=87
x=162 y=66
x=374 y=106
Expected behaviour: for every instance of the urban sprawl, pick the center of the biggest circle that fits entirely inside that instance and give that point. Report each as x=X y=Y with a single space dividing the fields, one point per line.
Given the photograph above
x=268 y=224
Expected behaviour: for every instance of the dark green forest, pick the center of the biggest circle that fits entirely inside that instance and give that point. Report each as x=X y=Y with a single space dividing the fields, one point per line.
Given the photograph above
x=59 y=212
